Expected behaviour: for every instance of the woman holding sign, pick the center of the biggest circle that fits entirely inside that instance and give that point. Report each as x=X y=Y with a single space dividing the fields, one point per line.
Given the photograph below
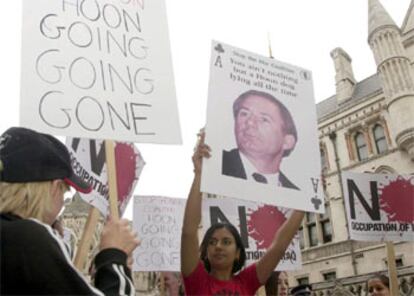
x=212 y=269
x=35 y=173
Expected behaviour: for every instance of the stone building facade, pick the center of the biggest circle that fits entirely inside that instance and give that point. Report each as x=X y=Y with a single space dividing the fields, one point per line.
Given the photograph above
x=366 y=126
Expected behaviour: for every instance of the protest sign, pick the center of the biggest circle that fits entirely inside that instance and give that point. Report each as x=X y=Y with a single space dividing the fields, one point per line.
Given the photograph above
x=261 y=127
x=158 y=221
x=98 y=69
x=257 y=224
x=88 y=162
x=379 y=207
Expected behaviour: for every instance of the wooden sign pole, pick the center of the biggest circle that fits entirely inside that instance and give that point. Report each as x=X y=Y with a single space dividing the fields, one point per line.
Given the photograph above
x=112 y=182
x=85 y=242
x=392 y=269
x=270 y=46
x=162 y=284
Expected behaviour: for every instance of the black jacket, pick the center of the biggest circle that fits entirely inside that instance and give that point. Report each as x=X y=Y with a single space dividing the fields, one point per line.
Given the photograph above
x=35 y=261
x=232 y=166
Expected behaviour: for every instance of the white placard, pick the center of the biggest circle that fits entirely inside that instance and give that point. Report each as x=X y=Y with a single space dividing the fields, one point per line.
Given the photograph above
x=98 y=69
x=88 y=162
x=158 y=221
x=270 y=130
x=379 y=207
x=257 y=224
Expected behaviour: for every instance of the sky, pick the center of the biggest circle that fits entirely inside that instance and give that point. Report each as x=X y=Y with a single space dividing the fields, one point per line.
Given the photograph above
x=301 y=32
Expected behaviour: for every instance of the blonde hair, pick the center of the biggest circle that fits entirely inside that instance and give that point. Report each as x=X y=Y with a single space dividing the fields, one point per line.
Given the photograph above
x=27 y=200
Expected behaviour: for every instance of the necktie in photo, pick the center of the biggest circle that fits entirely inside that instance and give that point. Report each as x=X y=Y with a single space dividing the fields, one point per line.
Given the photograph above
x=259 y=178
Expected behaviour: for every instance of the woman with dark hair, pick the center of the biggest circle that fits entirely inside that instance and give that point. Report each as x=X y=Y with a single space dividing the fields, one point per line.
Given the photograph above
x=217 y=267
x=207 y=240
x=378 y=285
x=277 y=284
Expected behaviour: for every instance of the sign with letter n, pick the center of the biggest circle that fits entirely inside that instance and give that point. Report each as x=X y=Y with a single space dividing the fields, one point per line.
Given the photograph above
x=257 y=224
x=379 y=207
x=89 y=163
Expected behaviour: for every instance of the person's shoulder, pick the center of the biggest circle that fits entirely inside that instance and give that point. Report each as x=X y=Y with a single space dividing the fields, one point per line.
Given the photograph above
x=248 y=278
x=29 y=230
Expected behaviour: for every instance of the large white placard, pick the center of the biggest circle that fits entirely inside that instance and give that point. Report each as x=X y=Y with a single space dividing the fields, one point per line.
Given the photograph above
x=257 y=224
x=380 y=207
x=98 y=69
x=261 y=119
x=158 y=221
x=89 y=162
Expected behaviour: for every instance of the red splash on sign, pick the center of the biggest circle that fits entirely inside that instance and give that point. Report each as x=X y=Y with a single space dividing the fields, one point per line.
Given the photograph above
x=263 y=224
x=397 y=200
x=126 y=163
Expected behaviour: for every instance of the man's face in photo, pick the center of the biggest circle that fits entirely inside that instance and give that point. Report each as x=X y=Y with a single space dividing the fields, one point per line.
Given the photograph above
x=259 y=129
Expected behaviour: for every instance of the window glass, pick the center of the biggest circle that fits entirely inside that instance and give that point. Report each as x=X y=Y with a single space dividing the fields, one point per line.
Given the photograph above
x=326 y=231
x=301 y=238
x=303 y=281
x=329 y=276
x=361 y=146
x=313 y=237
x=379 y=138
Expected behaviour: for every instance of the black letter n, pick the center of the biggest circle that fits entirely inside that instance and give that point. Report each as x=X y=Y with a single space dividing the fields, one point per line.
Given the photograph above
x=373 y=212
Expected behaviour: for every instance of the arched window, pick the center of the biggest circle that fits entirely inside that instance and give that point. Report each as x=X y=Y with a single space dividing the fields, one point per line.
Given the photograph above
x=379 y=138
x=361 y=146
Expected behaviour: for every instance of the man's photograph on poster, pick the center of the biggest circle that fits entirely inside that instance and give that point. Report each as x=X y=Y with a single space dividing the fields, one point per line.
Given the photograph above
x=265 y=134
x=261 y=127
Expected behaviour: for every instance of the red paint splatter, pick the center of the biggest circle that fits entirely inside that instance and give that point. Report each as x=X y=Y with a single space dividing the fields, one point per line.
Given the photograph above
x=263 y=224
x=397 y=200
x=126 y=162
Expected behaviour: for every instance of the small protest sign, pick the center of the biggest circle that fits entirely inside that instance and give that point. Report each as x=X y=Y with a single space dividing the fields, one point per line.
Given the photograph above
x=257 y=224
x=158 y=221
x=88 y=162
x=98 y=69
x=380 y=207
x=261 y=127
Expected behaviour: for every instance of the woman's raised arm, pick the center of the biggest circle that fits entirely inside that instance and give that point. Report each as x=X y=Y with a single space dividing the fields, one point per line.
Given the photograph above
x=281 y=241
x=192 y=214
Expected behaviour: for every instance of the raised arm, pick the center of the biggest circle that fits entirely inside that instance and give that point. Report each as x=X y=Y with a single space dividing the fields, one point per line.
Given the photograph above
x=281 y=241
x=192 y=214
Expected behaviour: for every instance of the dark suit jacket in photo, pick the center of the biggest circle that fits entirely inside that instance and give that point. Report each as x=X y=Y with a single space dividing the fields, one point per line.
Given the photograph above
x=232 y=166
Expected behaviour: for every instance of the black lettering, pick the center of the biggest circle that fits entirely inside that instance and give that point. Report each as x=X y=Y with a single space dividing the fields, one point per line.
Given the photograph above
x=218 y=62
x=243 y=226
x=217 y=216
x=75 y=144
x=97 y=158
x=373 y=212
x=78 y=115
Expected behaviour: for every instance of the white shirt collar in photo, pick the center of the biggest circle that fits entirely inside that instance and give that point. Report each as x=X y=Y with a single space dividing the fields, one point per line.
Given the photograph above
x=250 y=170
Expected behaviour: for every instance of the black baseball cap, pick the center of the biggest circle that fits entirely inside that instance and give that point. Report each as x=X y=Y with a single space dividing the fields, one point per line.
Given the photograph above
x=29 y=156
